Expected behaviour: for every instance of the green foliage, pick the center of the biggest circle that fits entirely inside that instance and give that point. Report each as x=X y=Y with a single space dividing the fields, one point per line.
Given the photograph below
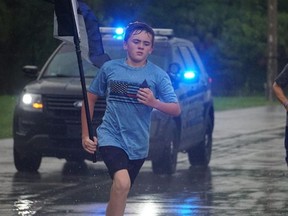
x=282 y=38
x=27 y=39
x=243 y=48
x=230 y=35
x=5 y=22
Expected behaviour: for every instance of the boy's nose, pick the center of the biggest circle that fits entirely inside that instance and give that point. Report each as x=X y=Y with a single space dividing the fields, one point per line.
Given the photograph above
x=141 y=45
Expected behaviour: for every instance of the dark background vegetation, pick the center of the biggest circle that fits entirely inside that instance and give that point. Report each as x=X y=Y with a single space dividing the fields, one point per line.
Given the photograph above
x=230 y=35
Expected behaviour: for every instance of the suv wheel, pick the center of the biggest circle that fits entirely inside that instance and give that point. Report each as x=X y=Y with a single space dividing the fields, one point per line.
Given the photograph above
x=166 y=160
x=29 y=163
x=201 y=154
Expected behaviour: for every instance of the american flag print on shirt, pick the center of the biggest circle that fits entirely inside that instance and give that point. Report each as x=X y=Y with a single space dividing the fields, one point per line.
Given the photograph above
x=123 y=91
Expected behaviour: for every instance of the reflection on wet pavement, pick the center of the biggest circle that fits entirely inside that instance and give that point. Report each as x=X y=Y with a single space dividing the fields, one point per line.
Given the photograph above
x=247 y=176
x=180 y=194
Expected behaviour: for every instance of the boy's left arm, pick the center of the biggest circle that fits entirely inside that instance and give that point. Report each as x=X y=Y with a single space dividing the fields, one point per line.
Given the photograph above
x=146 y=96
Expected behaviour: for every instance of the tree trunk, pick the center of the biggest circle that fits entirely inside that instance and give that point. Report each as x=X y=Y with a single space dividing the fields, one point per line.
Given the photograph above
x=272 y=65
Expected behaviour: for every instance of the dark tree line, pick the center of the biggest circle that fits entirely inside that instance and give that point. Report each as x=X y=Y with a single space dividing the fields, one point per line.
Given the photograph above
x=231 y=36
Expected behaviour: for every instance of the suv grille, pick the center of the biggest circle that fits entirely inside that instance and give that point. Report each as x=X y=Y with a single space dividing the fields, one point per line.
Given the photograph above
x=67 y=107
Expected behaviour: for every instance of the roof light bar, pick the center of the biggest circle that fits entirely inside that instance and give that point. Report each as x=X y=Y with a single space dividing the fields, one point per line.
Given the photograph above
x=108 y=30
x=163 y=32
x=113 y=30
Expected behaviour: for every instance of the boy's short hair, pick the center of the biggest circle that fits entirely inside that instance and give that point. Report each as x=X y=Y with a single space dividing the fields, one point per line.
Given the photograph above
x=138 y=27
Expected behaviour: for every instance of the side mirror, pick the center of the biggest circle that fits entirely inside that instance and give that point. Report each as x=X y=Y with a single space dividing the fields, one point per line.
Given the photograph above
x=30 y=70
x=174 y=71
x=177 y=75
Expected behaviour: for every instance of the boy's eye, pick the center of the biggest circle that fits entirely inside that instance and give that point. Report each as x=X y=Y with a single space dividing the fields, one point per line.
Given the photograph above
x=145 y=43
x=136 y=41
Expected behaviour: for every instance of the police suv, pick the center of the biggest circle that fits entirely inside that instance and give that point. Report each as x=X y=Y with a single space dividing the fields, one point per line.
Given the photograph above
x=47 y=121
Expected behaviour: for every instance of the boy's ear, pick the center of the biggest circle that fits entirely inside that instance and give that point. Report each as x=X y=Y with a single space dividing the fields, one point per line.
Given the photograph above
x=125 y=45
x=151 y=51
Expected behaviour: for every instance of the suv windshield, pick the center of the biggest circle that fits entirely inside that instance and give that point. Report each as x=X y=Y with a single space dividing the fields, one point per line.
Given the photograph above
x=64 y=63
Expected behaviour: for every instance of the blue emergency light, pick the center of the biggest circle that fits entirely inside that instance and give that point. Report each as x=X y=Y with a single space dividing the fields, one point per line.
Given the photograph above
x=189 y=75
x=119 y=33
x=116 y=33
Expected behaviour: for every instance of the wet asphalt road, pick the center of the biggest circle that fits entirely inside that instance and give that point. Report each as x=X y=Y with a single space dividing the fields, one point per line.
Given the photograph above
x=247 y=176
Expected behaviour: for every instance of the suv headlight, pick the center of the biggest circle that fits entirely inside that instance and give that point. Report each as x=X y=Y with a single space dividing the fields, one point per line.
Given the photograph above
x=31 y=102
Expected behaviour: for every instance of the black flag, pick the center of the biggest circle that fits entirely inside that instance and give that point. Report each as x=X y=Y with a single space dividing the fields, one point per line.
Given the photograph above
x=70 y=15
x=87 y=26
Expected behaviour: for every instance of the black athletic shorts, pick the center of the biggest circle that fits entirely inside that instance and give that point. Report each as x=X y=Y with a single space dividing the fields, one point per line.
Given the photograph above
x=116 y=159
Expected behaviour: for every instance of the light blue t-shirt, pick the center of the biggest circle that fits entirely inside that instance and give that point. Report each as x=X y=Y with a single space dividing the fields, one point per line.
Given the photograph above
x=126 y=121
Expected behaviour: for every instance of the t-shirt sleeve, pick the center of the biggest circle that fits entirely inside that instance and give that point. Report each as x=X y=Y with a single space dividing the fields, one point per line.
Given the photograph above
x=99 y=84
x=282 y=78
x=166 y=91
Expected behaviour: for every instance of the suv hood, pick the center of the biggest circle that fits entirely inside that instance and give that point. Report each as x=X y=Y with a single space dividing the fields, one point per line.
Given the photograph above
x=59 y=85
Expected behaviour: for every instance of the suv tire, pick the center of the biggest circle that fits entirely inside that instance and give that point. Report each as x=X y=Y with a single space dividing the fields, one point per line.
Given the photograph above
x=166 y=160
x=29 y=163
x=200 y=155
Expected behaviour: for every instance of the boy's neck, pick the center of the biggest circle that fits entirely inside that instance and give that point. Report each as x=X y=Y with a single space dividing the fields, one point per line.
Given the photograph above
x=135 y=64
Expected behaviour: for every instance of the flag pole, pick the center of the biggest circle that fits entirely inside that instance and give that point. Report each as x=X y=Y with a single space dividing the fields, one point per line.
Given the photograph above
x=82 y=79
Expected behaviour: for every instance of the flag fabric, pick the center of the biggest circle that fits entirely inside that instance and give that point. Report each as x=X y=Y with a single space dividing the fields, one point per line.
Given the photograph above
x=65 y=12
x=87 y=27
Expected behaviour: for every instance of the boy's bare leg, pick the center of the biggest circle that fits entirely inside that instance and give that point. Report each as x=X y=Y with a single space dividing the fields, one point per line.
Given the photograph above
x=118 y=194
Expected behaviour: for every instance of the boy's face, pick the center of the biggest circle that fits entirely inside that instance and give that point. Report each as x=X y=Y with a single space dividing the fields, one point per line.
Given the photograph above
x=138 y=47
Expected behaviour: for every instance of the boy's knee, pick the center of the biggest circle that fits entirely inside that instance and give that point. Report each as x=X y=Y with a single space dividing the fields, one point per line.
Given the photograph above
x=121 y=183
x=121 y=186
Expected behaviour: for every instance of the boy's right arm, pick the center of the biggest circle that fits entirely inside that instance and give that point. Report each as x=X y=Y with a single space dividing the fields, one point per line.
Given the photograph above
x=88 y=144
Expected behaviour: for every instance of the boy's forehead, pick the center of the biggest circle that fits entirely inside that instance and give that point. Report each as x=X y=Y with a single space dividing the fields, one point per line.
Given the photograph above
x=138 y=34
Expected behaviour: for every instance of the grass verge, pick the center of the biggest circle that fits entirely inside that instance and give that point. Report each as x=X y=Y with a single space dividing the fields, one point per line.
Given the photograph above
x=228 y=103
x=7 y=103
